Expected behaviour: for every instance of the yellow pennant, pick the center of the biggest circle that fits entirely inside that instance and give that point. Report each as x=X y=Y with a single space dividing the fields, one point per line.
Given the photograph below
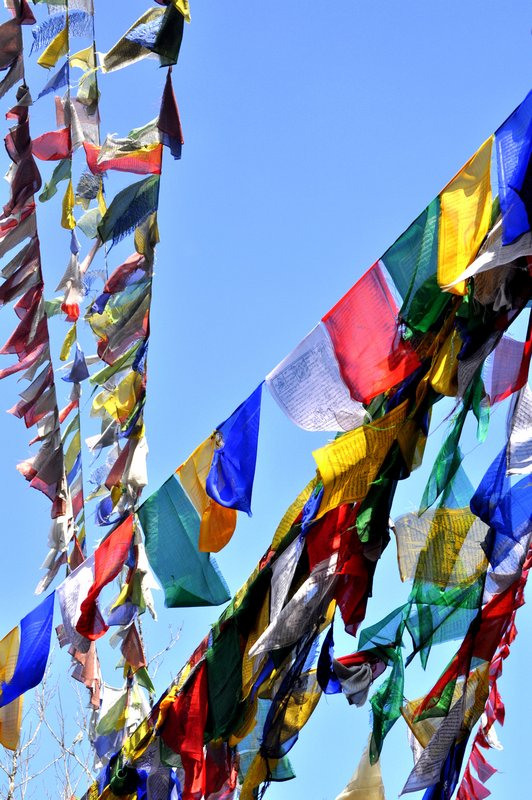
x=57 y=48
x=67 y=217
x=465 y=211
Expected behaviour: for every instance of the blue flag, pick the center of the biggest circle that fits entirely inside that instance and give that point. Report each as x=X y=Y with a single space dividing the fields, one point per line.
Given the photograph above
x=230 y=478
x=513 y=144
x=35 y=633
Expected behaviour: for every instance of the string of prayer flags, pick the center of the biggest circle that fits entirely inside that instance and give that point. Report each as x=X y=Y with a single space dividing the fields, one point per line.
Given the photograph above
x=32 y=656
x=171 y=528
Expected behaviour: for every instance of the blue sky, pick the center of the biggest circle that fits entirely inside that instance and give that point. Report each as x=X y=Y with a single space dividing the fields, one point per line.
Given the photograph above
x=314 y=134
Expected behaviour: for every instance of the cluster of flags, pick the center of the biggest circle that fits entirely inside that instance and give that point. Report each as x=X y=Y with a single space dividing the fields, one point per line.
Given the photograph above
x=429 y=319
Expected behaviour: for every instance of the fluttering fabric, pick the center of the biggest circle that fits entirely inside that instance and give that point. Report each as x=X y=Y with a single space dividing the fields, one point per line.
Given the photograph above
x=465 y=205
x=171 y=529
x=230 y=478
x=308 y=387
x=364 y=329
x=10 y=715
x=129 y=209
x=109 y=558
x=513 y=145
x=32 y=657
x=217 y=522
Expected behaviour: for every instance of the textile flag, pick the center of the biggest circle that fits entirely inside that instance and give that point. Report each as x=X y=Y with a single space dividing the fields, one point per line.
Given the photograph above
x=230 y=478
x=144 y=160
x=172 y=527
x=35 y=633
x=513 y=145
x=506 y=368
x=182 y=722
x=349 y=464
x=412 y=261
x=465 y=205
x=364 y=330
x=169 y=123
x=10 y=715
x=494 y=254
x=109 y=558
x=53 y=145
x=308 y=387
x=366 y=783
x=129 y=208
x=217 y=522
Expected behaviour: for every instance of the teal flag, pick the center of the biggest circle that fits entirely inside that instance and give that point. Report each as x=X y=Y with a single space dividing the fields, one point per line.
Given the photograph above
x=171 y=527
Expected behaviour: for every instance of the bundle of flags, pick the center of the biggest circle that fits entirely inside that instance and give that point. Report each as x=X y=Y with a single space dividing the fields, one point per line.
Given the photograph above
x=428 y=320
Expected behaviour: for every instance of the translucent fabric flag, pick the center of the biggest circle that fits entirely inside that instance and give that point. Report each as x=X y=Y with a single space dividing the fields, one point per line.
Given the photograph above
x=70 y=595
x=53 y=145
x=182 y=720
x=127 y=51
x=217 y=522
x=513 y=144
x=364 y=330
x=128 y=209
x=10 y=715
x=171 y=528
x=349 y=464
x=412 y=261
x=442 y=546
x=519 y=429
x=301 y=612
x=366 y=783
x=465 y=216
x=169 y=123
x=493 y=255
x=109 y=558
x=230 y=478
x=144 y=160
x=35 y=633
x=506 y=369
x=308 y=387
x=58 y=80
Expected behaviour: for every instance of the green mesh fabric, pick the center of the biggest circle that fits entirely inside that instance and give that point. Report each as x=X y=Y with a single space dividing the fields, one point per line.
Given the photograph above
x=171 y=527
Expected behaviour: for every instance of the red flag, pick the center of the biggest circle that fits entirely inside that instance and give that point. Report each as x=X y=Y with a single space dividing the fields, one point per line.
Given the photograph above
x=53 y=145
x=364 y=330
x=109 y=558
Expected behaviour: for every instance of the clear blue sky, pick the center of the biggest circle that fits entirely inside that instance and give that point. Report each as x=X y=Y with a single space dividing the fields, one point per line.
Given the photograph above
x=314 y=134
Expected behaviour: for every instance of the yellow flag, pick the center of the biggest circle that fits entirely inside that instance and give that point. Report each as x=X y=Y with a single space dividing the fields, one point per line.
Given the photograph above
x=70 y=338
x=121 y=401
x=83 y=59
x=217 y=522
x=67 y=217
x=57 y=48
x=11 y=714
x=292 y=513
x=366 y=783
x=184 y=7
x=444 y=372
x=348 y=465
x=465 y=210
